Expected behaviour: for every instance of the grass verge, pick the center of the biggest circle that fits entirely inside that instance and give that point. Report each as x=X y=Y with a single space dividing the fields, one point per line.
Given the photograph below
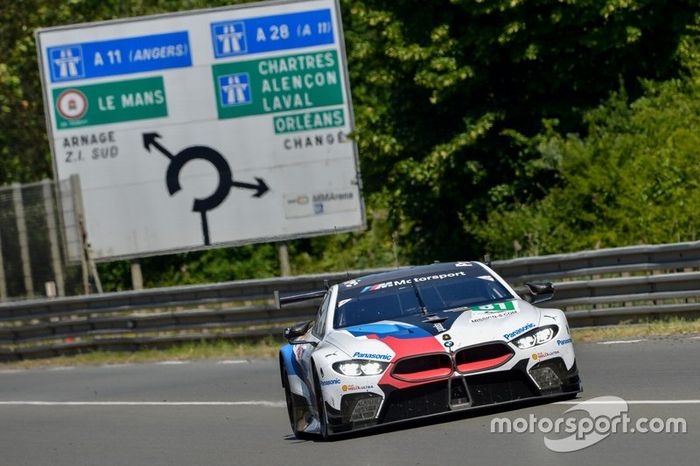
x=221 y=349
x=674 y=326
x=268 y=347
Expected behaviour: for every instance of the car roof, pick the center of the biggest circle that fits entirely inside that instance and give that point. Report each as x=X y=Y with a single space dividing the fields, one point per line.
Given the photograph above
x=472 y=268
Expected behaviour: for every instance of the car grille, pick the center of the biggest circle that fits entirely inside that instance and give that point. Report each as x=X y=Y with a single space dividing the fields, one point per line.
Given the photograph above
x=431 y=398
x=482 y=357
x=499 y=387
x=424 y=367
x=447 y=395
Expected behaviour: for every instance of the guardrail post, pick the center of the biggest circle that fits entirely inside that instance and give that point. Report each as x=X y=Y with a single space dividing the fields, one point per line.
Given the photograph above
x=49 y=206
x=22 y=236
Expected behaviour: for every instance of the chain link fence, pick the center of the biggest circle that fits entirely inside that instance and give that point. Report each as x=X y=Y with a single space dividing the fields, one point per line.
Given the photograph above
x=41 y=251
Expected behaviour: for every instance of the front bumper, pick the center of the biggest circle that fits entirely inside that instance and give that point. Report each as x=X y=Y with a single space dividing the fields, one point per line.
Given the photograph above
x=461 y=392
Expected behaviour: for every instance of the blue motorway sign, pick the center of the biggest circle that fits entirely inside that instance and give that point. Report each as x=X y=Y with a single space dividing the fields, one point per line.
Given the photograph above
x=120 y=56
x=271 y=33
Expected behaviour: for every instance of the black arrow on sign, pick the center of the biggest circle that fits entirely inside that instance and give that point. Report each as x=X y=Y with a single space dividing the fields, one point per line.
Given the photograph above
x=149 y=139
x=226 y=181
x=260 y=188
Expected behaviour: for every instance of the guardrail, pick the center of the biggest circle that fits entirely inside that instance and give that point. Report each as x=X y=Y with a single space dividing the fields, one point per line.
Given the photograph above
x=641 y=281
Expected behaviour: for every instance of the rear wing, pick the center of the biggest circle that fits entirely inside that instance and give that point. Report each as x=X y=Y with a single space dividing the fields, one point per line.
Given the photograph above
x=284 y=300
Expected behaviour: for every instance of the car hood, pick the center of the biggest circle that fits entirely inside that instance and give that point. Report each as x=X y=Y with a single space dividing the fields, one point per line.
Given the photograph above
x=438 y=332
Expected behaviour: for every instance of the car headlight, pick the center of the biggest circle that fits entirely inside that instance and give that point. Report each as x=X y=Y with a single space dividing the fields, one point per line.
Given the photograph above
x=360 y=367
x=536 y=337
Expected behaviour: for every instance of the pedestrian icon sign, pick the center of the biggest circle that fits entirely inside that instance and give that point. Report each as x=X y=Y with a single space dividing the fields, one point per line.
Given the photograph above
x=229 y=39
x=66 y=63
x=234 y=89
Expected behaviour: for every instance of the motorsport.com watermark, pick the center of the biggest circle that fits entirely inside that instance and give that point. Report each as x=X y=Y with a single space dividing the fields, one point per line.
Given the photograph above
x=588 y=423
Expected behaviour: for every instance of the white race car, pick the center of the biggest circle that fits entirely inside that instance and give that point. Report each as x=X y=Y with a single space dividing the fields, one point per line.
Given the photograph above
x=422 y=341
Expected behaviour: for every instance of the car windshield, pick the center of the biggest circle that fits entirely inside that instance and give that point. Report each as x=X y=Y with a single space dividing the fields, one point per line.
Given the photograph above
x=396 y=298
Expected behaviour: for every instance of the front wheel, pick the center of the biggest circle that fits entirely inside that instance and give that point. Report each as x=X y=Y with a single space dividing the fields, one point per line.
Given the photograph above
x=321 y=408
x=297 y=409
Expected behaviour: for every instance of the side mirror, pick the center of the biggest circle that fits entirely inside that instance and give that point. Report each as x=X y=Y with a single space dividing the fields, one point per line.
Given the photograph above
x=296 y=331
x=540 y=292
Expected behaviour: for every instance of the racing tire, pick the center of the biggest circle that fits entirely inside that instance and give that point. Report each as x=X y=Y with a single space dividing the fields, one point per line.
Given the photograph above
x=321 y=408
x=294 y=411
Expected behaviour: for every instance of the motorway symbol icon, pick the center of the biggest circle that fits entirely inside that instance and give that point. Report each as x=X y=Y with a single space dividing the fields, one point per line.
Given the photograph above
x=234 y=89
x=226 y=181
x=229 y=38
x=66 y=63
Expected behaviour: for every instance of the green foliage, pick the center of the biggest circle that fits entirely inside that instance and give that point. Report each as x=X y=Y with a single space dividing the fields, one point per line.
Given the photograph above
x=633 y=179
x=449 y=94
x=460 y=109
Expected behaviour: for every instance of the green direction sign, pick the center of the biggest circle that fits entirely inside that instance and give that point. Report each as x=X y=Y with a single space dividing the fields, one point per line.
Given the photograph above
x=307 y=121
x=112 y=102
x=277 y=84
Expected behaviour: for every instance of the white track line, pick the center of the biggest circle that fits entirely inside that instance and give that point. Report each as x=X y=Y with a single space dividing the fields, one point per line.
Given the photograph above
x=269 y=404
x=632 y=402
x=172 y=363
x=232 y=361
x=620 y=342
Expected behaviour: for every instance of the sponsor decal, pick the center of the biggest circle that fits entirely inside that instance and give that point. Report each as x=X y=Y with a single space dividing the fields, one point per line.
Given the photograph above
x=463 y=264
x=354 y=388
x=566 y=341
x=517 y=332
x=351 y=283
x=382 y=357
x=492 y=315
x=495 y=307
x=298 y=351
x=446 y=337
x=344 y=301
x=400 y=331
x=544 y=355
x=408 y=281
x=449 y=344
x=439 y=327
x=330 y=382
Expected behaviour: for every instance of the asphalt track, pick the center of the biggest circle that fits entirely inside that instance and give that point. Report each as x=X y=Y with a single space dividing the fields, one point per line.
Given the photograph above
x=231 y=412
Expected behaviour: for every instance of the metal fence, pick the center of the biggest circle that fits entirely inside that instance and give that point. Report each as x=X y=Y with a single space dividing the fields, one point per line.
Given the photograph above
x=593 y=287
x=40 y=240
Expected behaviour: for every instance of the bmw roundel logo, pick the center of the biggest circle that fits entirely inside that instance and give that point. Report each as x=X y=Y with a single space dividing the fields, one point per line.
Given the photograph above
x=449 y=344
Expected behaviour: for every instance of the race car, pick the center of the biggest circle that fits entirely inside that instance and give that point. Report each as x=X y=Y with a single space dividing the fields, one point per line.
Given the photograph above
x=422 y=341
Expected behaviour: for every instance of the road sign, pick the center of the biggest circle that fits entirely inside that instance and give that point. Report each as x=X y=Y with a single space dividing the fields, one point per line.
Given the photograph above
x=205 y=128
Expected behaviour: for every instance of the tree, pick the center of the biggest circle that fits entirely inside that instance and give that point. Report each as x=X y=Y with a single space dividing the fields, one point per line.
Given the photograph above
x=634 y=177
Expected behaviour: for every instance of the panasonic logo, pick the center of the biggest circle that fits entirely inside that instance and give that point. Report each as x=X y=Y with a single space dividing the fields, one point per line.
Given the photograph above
x=383 y=357
x=517 y=332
